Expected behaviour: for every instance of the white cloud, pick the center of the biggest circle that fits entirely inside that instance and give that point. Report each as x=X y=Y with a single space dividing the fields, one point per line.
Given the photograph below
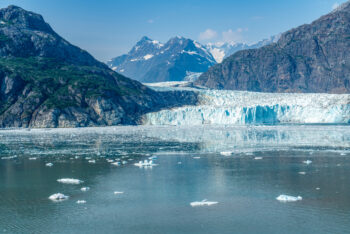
x=234 y=36
x=335 y=6
x=208 y=34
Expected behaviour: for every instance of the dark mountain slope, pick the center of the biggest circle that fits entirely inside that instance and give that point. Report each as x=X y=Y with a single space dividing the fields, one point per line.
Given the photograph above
x=311 y=58
x=47 y=82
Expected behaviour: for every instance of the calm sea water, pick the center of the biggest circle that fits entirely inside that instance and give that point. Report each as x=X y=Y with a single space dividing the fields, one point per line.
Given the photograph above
x=190 y=168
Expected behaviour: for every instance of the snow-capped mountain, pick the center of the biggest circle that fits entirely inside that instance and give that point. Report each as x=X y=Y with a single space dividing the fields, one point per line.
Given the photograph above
x=151 y=61
x=221 y=50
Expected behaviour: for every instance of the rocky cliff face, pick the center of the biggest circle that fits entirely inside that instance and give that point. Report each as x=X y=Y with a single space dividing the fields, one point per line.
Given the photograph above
x=151 y=61
x=47 y=82
x=311 y=58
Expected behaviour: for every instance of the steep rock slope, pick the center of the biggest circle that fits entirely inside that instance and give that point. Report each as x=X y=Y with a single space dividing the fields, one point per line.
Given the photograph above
x=47 y=82
x=311 y=58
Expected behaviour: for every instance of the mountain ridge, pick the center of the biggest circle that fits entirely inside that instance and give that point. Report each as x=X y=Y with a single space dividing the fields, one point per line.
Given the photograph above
x=310 y=58
x=47 y=82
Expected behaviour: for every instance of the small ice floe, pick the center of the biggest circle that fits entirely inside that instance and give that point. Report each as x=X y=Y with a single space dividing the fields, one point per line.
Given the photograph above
x=338 y=165
x=302 y=173
x=118 y=193
x=88 y=158
x=226 y=153
x=153 y=158
x=318 y=188
x=32 y=158
x=179 y=163
x=69 y=181
x=196 y=157
x=57 y=197
x=145 y=163
x=49 y=164
x=258 y=158
x=85 y=189
x=81 y=202
x=110 y=160
x=249 y=154
x=342 y=154
x=92 y=161
x=116 y=164
x=203 y=203
x=76 y=157
x=124 y=162
x=9 y=157
x=286 y=198
x=307 y=162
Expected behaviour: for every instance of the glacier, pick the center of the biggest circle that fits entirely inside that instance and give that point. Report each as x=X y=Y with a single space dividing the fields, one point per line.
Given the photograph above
x=226 y=107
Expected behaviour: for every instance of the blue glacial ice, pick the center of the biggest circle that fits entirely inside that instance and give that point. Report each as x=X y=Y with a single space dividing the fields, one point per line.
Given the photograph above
x=239 y=107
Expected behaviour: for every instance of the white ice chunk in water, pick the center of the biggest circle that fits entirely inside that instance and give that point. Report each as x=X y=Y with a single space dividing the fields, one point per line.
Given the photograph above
x=145 y=163
x=124 y=162
x=116 y=164
x=258 y=158
x=117 y=193
x=58 y=197
x=85 y=189
x=203 y=203
x=69 y=181
x=81 y=202
x=32 y=158
x=302 y=173
x=9 y=157
x=286 y=198
x=92 y=161
x=49 y=164
x=226 y=153
x=110 y=160
x=307 y=162
x=196 y=157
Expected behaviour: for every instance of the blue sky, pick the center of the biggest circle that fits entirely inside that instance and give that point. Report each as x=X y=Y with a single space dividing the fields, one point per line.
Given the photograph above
x=108 y=28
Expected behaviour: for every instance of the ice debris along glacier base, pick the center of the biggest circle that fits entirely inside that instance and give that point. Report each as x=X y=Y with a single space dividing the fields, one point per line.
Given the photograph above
x=240 y=107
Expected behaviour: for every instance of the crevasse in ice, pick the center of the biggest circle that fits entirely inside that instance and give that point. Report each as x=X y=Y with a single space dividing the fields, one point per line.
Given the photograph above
x=239 y=107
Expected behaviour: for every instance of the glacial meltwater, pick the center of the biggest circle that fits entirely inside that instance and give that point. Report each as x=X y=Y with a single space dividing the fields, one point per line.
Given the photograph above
x=193 y=179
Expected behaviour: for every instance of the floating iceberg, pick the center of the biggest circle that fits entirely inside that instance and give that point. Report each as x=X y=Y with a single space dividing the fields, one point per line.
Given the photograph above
x=307 y=162
x=69 y=181
x=145 y=163
x=196 y=157
x=258 y=158
x=302 y=173
x=49 y=164
x=58 y=197
x=92 y=161
x=9 y=157
x=85 y=189
x=238 y=107
x=203 y=203
x=116 y=164
x=81 y=202
x=117 y=193
x=227 y=153
x=33 y=158
x=286 y=198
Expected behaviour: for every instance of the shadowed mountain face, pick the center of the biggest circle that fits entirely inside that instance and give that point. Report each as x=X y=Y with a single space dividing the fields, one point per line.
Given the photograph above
x=151 y=61
x=311 y=58
x=47 y=82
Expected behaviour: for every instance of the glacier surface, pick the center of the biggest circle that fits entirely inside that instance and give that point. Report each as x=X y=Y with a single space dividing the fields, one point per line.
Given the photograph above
x=240 y=107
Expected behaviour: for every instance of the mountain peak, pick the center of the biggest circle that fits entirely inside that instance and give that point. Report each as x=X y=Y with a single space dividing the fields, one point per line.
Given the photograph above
x=20 y=18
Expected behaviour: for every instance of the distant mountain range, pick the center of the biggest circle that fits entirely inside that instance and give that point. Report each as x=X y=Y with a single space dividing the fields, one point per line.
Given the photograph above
x=152 y=61
x=47 y=82
x=177 y=60
x=220 y=51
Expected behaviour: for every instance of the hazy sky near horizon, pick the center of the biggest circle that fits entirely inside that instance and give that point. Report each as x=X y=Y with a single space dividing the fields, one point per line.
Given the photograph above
x=109 y=28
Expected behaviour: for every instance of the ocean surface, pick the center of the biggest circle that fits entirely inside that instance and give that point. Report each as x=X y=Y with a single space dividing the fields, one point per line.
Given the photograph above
x=243 y=169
